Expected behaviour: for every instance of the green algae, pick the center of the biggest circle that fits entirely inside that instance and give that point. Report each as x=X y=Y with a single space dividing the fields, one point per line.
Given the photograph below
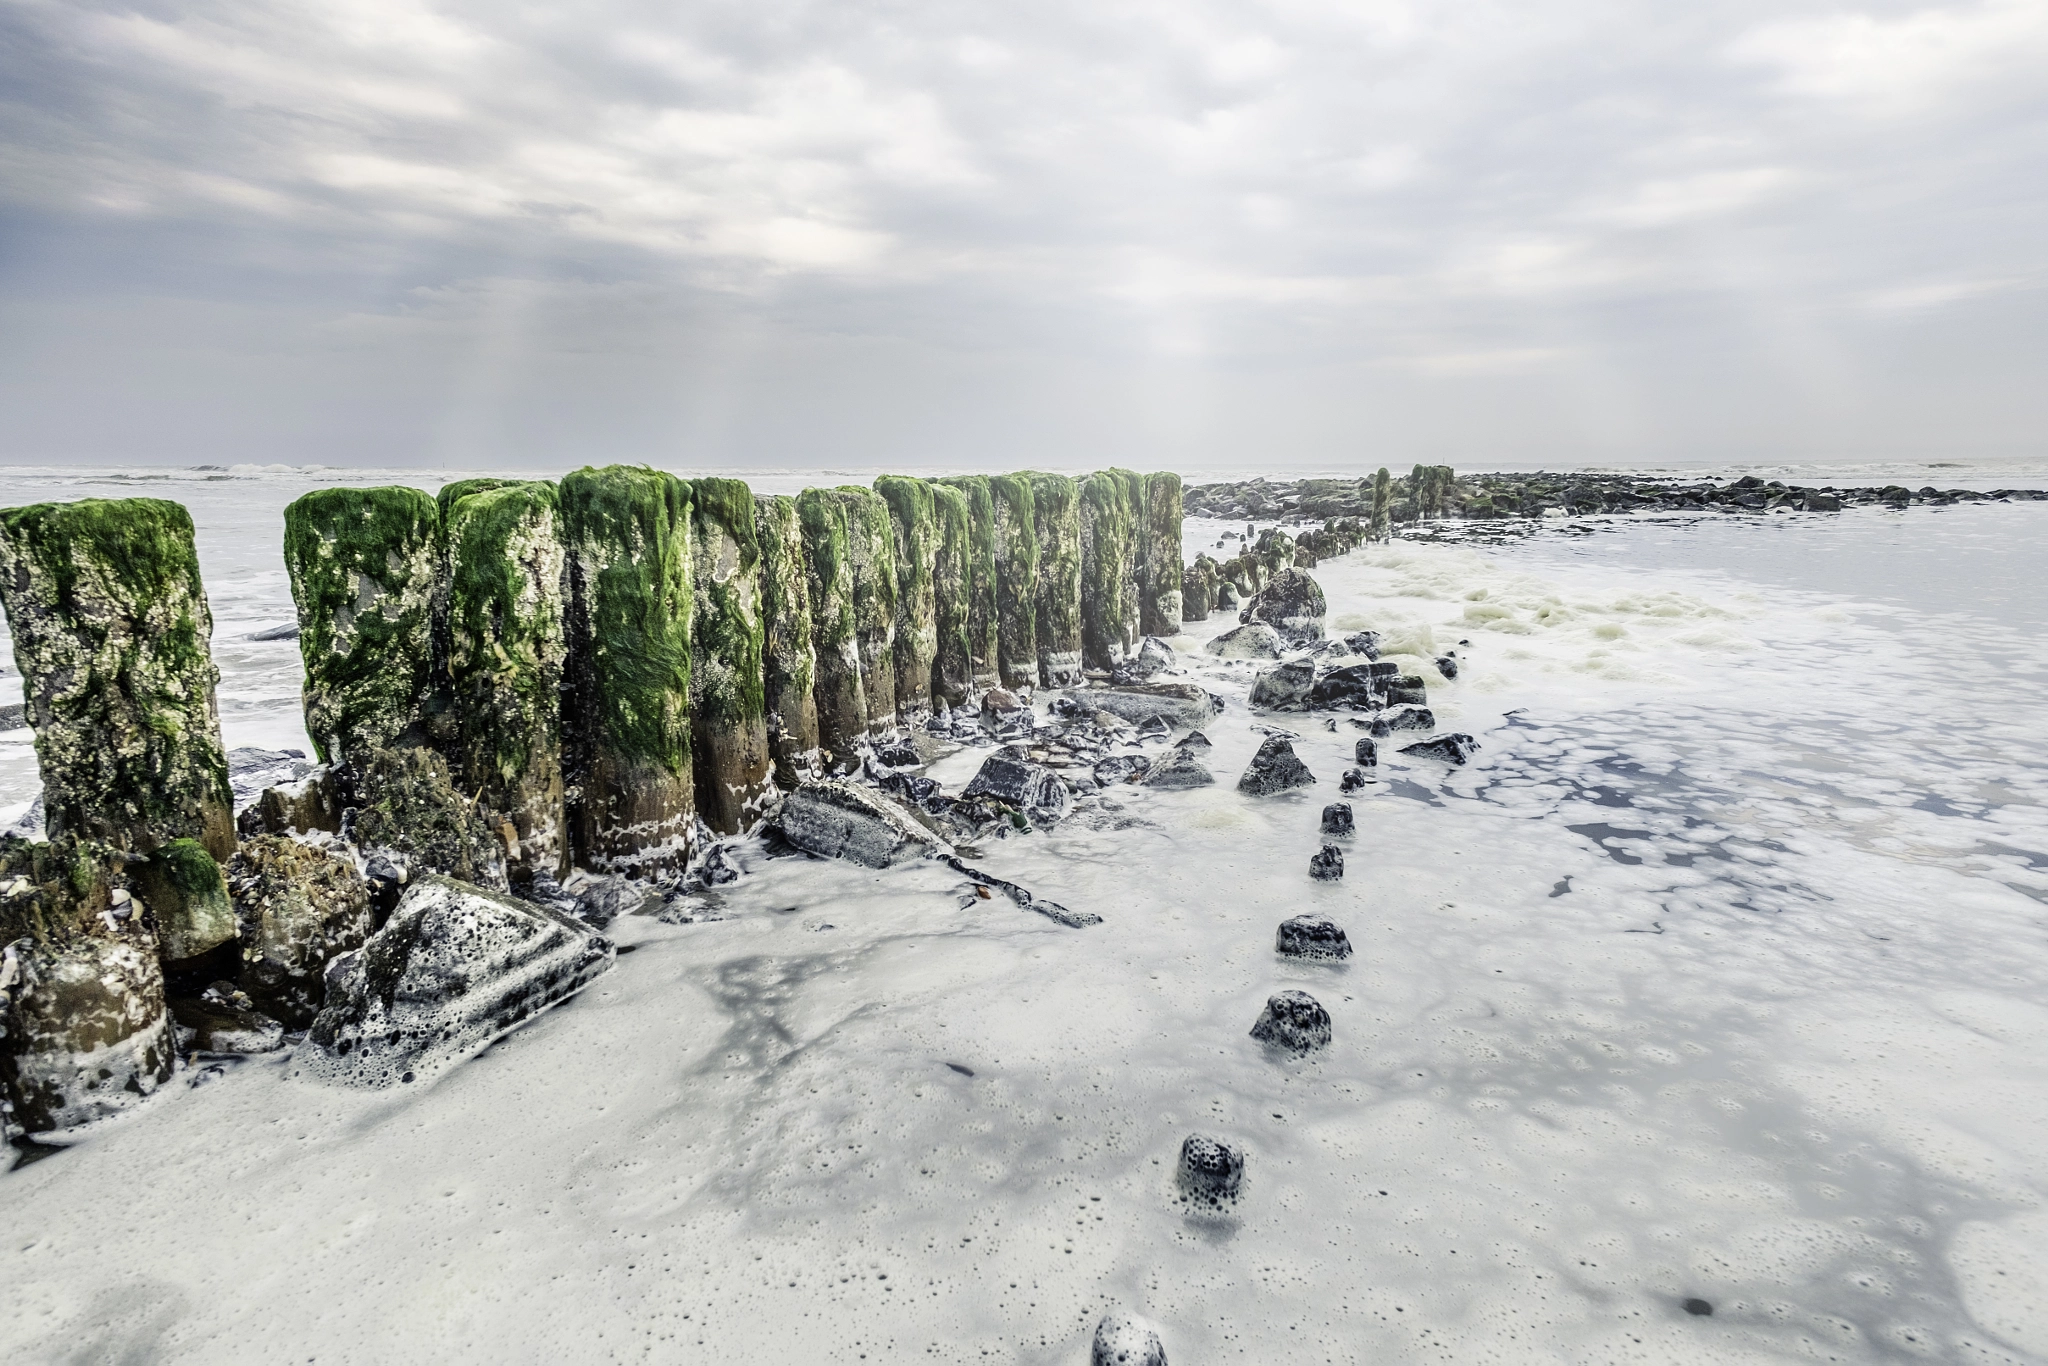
x=1056 y=521
x=1198 y=589
x=871 y=550
x=54 y=889
x=1109 y=548
x=840 y=695
x=953 y=648
x=913 y=518
x=1159 y=556
x=1016 y=556
x=789 y=663
x=112 y=634
x=185 y=892
x=728 y=682
x=626 y=713
x=983 y=617
x=1382 y=505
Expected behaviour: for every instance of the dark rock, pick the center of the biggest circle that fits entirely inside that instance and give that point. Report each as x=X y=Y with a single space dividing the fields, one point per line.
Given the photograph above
x=1286 y=688
x=1183 y=705
x=1407 y=689
x=1154 y=728
x=1367 y=752
x=608 y=898
x=298 y=907
x=457 y=967
x=1353 y=685
x=1121 y=768
x=898 y=754
x=1123 y=1339
x=836 y=819
x=407 y=801
x=1453 y=748
x=1365 y=643
x=313 y=803
x=1031 y=788
x=1194 y=740
x=1338 y=819
x=1254 y=641
x=1291 y=603
x=1447 y=665
x=1822 y=502
x=1154 y=656
x=914 y=790
x=288 y=631
x=1211 y=1170
x=83 y=1030
x=1327 y=866
x=1275 y=768
x=1409 y=717
x=252 y=770
x=1311 y=936
x=1178 y=769
x=1226 y=594
x=1352 y=781
x=1294 y=1021
x=13 y=716
x=222 y=1019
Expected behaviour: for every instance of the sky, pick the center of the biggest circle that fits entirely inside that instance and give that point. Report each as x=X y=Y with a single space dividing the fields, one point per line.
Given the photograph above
x=1179 y=234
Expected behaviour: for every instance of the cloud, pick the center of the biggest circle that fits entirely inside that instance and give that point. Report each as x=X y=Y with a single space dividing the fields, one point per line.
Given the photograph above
x=1909 y=63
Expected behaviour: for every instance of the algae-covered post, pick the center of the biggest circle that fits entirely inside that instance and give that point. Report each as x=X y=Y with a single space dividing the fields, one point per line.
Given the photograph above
x=365 y=569
x=952 y=580
x=112 y=635
x=983 y=616
x=728 y=698
x=1109 y=557
x=1198 y=589
x=871 y=551
x=1016 y=545
x=913 y=516
x=1160 y=556
x=789 y=664
x=842 y=700
x=1382 y=505
x=626 y=714
x=506 y=649
x=1056 y=517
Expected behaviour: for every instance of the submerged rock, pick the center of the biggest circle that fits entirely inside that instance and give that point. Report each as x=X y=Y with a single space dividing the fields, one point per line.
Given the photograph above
x=1447 y=665
x=1338 y=819
x=1365 y=643
x=835 y=819
x=1178 y=769
x=111 y=631
x=1311 y=936
x=1255 y=640
x=1407 y=689
x=1287 y=688
x=298 y=907
x=457 y=967
x=1453 y=748
x=1031 y=788
x=1353 y=780
x=729 y=753
x=1367 y=752
x=1294 y=1021
x=1408 y=717
x=1328 y=865
x=1123 y=1339
x=1211 y=1171
x=1275 y=768
x=1182 y=705
x=1291 y=603
x=1352 y=685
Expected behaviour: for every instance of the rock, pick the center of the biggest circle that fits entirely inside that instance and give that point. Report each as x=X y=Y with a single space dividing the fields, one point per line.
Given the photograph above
x=183 y=887
x=111 y=630
x=626 y=747
x=1408 y=717
x=222 y=1019
x=1121 y=768
x=506 y=650
x=1183 y=705
x=914 y=521
x=1291 y=603
x=1365 y=643
x=13 y=716
x=1353 y=685
x=1366 y=752
x=1338 y=819
x=405 y=801
x=543 y=890
x=252 y=770
x=1256 y=640
x=1016 y=556
x=1453 y=748
x=1154 y=728
x=1327 y=866
x=897 y=754
x=1352 y=781
x=953 y=661
x=1211 y=1170
x=789 y=662
x=83 y=1029
x=1286 y=688
x=1109 y=502
x=1123 y=1339
x=1407 y=689
x=1447 y=665
x=1226 y=595
x=835 y=819
x=1198 y=589
x=1178 y=769
x=982 y=612
x=1154 y=656
x=298 y=907
x=1294 y=1021
x=1275 y=768
x=1159 y=555
x=608 y=898
x=1311 y=936
x=456 y=968
x=311 y=804
x=1194 y=740
x=1056 y=510
x=1031 y=788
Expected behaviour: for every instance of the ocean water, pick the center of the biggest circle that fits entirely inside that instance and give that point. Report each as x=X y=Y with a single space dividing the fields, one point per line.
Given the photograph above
x=1719 y=974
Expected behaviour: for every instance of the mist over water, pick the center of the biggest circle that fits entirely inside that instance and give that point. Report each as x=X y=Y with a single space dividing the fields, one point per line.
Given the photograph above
x=1719 y=974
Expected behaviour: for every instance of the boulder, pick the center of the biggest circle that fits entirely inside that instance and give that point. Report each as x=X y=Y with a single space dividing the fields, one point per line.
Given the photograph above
x=1311 y=936
x=1338 y=819
x=313 y=803
x=1123 y=1339
x=1275 y=768
x=1352 y=781
x=1328 y=865
x=835 y=819
x=1447 y=665
x=1352 y=685
x=457 y=967
x=1031 y=788
x=1182 y=705
x=1211 y=1171
x=1226 y=594
x=1367 y=752
x=83 y=1029
x=1453 y=748
x=223 y=1019
x=183 y=887
x=1255 y=640
x=298 y=907
x=1291 y=603
x=1194 y=741
x=111 y=629
x=1154 y=656
x=1408 y=717
x=1121 y=768
x=1822 y=502
x=1293 y=1021
x=1365 y=643
x=405 y=801
x=1407 y=688
x=1286 y=688
x=1178 y=769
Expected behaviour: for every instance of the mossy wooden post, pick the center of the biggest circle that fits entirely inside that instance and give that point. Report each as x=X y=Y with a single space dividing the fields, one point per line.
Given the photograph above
x=1160 y=556
x=1016 y=546
x=1109 y=511
x=728 y=684
x=1382 y=505
x=871 y=543
x=1198 y=589
x=112 y=635
x=913 y=517
x=952 y=578
x=1056 y=521
x=842 y=701
x=983 y=616
x=789 y=664
x=365 y=569
x=507 y=646
x=626 y=705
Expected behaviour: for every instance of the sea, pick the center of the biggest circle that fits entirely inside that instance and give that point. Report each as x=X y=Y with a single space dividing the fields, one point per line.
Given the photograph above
x=1701 y=1018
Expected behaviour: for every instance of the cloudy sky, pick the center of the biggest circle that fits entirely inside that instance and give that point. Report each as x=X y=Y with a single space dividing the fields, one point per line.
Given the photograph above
x=764 y=234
